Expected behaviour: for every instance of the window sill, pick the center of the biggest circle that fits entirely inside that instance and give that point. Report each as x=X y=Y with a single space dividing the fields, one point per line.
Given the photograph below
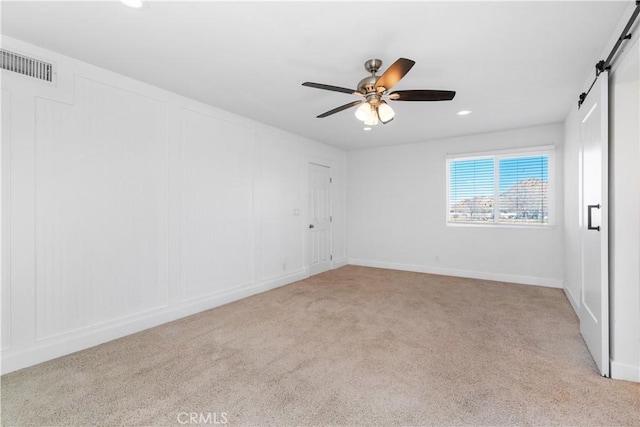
x=494 y=225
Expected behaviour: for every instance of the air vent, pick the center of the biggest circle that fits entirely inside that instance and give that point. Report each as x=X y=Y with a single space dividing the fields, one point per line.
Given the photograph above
x=27 y=66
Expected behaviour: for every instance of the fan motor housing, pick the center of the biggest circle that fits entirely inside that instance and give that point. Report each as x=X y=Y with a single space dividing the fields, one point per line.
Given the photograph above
x=367 y=84
x=373 y=65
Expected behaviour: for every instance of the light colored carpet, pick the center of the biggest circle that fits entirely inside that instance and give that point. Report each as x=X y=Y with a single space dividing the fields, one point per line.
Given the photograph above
x=354 y=346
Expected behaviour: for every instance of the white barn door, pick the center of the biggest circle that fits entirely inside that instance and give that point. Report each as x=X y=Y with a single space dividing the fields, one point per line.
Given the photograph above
x=319 y=218
x=594 y=307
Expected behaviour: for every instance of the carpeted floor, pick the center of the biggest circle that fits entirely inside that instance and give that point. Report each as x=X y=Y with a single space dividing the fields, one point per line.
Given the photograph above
x=354 y=346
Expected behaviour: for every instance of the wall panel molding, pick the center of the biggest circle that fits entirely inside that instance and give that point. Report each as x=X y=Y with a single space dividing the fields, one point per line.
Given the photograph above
x=79 y=340
x=132 y=206
x=216 y=205
x=101 y=208
x=5 y=295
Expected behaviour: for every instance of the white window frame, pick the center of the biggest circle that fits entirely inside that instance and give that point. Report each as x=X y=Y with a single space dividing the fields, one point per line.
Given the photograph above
x=497 y=155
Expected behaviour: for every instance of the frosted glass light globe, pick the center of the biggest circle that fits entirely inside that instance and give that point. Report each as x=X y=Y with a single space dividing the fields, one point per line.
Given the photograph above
x=363 y=112
x=385 y=112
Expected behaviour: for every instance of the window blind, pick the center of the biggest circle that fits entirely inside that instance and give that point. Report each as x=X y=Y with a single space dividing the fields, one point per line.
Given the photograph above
x=524 y=183
x=471 y=190
x=499 y=189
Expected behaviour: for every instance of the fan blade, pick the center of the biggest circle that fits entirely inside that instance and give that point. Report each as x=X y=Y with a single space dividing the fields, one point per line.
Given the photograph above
x=337 y=110
x=422 y=95
x=394 y=73
x=332 y=88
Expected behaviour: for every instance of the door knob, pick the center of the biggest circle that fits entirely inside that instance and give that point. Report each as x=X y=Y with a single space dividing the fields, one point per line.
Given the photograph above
x=311 y=226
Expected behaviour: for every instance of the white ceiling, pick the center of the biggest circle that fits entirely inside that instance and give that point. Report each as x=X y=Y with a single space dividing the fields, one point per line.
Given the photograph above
x=513 y=64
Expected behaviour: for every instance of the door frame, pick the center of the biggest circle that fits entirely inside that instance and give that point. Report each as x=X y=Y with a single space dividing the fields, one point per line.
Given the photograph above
x=308 y=248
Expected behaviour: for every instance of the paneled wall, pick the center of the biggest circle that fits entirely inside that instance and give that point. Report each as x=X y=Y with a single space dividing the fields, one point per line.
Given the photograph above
x=5 y=319
x=216 y=220
x=125 y=206
x=100 y=208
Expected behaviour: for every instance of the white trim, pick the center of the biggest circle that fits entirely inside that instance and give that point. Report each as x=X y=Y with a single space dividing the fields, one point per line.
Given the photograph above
x=497 y=155
x=522 y=151
x=340 y=262
x=572 y=299
x=623 y=371
x=548 y=282
x=328 y=166
x=41 y=352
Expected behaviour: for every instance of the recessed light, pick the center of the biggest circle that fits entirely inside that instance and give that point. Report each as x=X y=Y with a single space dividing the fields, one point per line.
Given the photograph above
x=136 y=4
x=463 y=113
x=366 y=128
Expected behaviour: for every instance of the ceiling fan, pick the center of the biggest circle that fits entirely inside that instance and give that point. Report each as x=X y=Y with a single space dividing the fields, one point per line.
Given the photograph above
x=374 y=91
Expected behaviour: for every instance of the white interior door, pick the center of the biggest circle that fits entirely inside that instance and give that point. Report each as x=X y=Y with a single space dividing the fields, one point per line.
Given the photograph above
x=594 y=307
x=319 y=218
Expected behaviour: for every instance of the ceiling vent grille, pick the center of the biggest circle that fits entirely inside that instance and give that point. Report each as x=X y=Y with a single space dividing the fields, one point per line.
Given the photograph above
x=25 y=65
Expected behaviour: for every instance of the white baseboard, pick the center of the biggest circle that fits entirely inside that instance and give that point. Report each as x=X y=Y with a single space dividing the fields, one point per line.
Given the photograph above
x=83 y=339
x=340 y=262
x=623 y=371
x=483 y=275
x=572 y=300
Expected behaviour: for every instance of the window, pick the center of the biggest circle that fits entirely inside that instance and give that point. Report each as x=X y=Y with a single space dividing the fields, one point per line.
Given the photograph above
x=506 y=188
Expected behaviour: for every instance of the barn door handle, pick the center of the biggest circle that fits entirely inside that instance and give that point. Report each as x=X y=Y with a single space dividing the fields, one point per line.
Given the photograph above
x=589 y=226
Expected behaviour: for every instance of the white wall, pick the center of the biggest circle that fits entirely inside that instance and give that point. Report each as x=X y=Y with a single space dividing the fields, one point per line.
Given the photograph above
x=624 y=204
x=397 y=214
x=125 y=206
x=624 y=216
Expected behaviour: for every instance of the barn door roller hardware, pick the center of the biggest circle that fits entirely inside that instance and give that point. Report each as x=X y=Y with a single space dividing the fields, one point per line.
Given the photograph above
x=605 y=65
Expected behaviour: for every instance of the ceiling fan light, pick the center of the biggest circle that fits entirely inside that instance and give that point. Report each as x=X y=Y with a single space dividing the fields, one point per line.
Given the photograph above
x=372 y=120
x=136 y=4
x=363 y=112
x=385 y=112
